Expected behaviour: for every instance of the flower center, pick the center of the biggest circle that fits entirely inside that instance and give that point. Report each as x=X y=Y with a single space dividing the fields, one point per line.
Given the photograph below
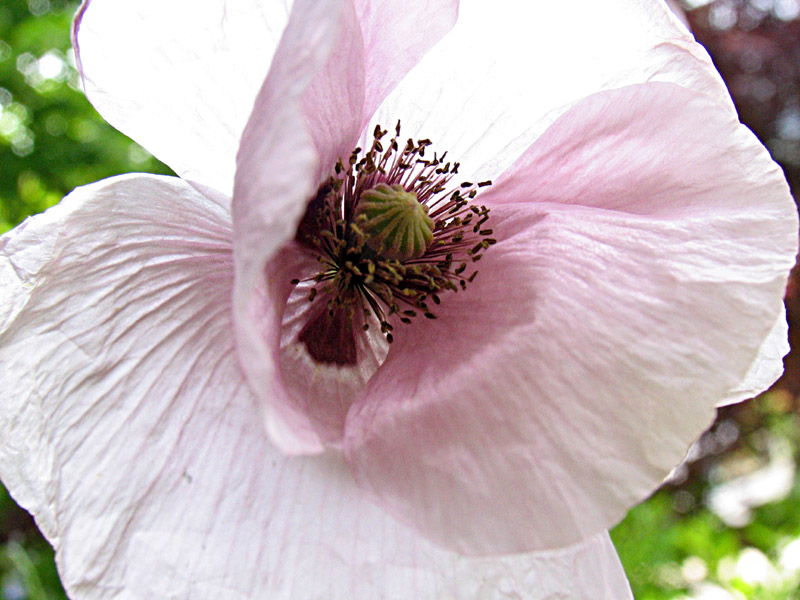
x=390 y=237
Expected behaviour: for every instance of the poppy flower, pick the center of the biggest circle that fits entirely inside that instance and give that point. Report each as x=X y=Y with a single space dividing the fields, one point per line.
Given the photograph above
x=286 y=374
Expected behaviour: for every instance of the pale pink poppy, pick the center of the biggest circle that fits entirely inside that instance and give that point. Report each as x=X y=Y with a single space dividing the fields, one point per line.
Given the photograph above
x=176 y=436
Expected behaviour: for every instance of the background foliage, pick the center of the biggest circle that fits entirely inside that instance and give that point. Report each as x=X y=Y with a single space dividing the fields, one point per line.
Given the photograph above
x=678 y=544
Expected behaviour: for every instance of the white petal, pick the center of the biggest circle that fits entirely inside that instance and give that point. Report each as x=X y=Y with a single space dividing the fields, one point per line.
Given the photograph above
x=127 y=429
x=508 y=69
x=179 y=76
x=75 y=295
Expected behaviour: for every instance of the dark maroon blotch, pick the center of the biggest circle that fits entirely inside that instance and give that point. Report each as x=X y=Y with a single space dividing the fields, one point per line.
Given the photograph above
x=329 y=337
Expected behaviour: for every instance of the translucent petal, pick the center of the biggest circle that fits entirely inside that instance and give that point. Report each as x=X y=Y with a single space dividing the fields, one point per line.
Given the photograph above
x=179 y=77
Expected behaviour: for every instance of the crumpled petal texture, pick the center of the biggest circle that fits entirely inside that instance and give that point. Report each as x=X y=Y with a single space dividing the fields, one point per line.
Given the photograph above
x=145 y=467
x=81 y=299
x=640 y=265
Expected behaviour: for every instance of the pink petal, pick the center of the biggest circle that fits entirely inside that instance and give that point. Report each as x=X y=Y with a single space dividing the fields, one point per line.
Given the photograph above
x=378 y=42
x=179 y=77
x=508 y=69
x=279 y=168
x=129 y=432
x=307 y=115
x=656 y=149
x=645 y=242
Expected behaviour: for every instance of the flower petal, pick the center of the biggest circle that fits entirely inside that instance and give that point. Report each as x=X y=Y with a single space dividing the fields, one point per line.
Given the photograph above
x=596 y=341
x=486 y=97
x=129 y=432
x=64 y=276
x=279 y=167
x=179 y=77
x=658 y=136
x=654 y=148
x=308 y=114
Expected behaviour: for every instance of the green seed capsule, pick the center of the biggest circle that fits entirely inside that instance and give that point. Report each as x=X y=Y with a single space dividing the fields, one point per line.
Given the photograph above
x=396 y=224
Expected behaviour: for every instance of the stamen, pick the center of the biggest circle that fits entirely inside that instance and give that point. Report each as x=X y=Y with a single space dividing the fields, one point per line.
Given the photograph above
x=389 y=234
